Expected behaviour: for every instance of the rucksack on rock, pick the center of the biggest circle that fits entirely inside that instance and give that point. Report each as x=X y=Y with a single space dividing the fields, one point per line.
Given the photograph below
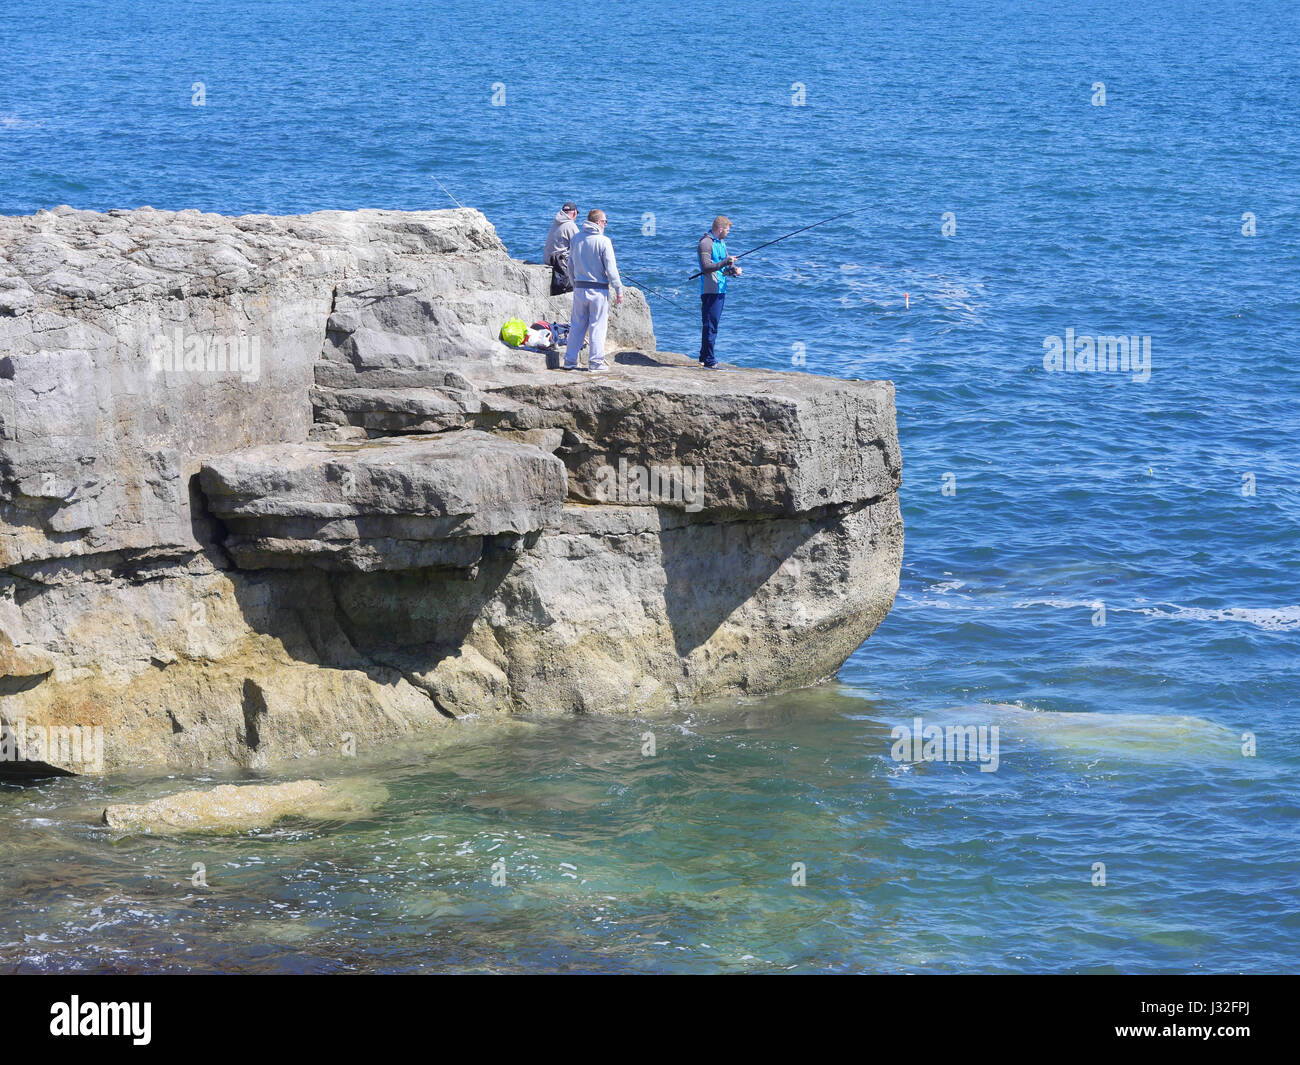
x=514 y=332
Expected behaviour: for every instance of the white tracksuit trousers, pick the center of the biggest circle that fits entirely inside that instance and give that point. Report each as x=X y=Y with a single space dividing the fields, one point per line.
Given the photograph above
x=590 y=313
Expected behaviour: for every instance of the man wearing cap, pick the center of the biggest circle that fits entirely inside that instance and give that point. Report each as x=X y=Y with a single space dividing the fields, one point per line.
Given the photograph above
x=556 y=253
x=592 y=269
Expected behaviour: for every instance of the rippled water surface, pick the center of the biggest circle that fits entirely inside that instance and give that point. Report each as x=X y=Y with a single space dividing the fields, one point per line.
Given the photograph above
x=613 y=860
x=1120 y=742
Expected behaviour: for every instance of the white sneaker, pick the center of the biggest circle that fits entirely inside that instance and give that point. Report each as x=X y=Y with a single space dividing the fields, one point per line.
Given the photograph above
x=602 y=368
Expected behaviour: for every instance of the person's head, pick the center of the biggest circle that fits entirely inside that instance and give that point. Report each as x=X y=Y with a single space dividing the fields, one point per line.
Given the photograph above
x=570 y=208
x=597 y=216
x=721 y=225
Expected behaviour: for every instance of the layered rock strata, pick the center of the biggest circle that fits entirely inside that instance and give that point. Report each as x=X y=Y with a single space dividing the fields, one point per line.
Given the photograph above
x=271 y=487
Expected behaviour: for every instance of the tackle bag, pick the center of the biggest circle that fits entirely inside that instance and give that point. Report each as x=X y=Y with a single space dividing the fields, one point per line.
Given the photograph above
x=514 y=332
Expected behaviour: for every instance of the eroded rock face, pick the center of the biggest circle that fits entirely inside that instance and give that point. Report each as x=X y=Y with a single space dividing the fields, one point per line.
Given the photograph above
x=388 y=519
x=766 y=442
x=638 y=609
x=136 y=344
x=402 y=503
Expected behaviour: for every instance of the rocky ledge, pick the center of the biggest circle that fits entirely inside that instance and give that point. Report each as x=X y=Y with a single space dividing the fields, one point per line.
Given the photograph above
x=271 y=487
x=239 y=808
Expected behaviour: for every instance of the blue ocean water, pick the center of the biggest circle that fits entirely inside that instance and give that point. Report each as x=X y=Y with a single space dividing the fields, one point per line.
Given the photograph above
x=1033 y=500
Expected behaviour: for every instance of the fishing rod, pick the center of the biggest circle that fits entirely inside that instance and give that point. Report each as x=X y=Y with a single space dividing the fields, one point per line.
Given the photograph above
x=647 y=288
x=786 y=237
x=444 y=189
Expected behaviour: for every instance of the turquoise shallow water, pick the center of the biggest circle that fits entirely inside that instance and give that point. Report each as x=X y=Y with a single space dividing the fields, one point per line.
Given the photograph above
x=1120 y=743
x=617 y=861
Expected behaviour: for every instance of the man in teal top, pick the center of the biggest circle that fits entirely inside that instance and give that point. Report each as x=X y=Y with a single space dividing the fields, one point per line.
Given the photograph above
x=715 y=267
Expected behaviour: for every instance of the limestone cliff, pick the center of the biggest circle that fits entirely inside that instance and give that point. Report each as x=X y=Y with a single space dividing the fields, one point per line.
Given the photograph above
x=270 y=487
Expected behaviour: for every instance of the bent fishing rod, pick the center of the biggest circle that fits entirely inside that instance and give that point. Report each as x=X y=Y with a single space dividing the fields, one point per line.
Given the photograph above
x=786 y=237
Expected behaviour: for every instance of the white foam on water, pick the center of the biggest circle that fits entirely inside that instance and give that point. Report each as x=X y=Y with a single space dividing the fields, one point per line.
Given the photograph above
x=1269 y=618
x=946 y=596
x=1062 y=604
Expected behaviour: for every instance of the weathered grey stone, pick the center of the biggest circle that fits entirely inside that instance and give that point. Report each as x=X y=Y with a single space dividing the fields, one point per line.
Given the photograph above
x=101 y=431
x=764 y=442
x=336 y=375
x=398 y=503
x=369 y=536
x=638 y=609
x=436 y=313
x=395 y=410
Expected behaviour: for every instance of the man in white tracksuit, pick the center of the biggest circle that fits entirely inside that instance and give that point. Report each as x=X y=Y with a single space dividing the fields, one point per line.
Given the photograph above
x=592 y=269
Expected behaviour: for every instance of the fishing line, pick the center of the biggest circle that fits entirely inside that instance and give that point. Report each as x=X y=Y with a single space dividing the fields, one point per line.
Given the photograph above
x=647 y=288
